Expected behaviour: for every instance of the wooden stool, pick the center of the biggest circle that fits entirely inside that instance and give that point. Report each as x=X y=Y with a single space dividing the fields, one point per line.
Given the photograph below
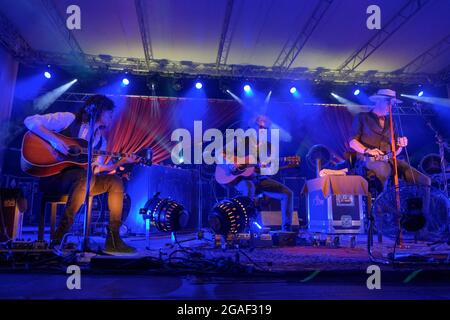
x=54 y=201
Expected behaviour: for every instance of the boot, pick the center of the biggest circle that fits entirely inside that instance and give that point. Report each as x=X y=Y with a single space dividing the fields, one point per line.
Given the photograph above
x=115 y=245
x=63 y=228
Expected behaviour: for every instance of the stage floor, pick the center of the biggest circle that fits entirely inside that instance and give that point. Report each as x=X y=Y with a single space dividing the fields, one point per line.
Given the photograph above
x=300 y=272
x=301 y=257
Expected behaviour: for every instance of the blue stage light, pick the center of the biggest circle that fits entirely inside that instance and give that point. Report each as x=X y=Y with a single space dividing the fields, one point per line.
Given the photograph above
x=247 y=88
x=125 y=81
x=356 y=92
x=199 y=85
x=293 y=90
x=47 y=74
x=420 y=94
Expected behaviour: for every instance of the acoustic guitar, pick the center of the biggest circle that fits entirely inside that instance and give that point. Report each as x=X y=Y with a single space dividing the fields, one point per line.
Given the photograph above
x=229 y=173
x=40 y=159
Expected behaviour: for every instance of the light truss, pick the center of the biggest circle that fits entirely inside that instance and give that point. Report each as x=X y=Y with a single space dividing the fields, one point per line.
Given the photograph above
x=61 y=27
x=294 y=45
x=187 y=68
x=399 y=19
x=438 y=49
x=11 y=39
x=141 y=12
x=413 y=109
x=225 y=36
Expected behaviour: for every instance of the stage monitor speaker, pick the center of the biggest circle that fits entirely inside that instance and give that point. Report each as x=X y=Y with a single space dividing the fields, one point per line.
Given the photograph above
x=296 y=185
x=181 y=185
x=13 y=205
x=273 y=220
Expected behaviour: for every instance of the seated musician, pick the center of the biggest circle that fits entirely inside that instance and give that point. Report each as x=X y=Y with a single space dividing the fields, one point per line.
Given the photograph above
x=371 y=138
x=72 y=181
x=257 y=184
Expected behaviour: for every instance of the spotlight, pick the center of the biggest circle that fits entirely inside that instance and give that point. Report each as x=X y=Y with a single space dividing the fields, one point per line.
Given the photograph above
x=125 y=81
x=420 y=94
x=199 y=85
x=231 y=215
x=356 y=92
x=293 y=90
x=165 y=214
x=334 y=94
x=47 y=74
x=247 y=88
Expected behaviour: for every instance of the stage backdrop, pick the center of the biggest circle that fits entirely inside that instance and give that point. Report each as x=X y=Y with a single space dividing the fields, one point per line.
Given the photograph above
x=8 y=74
x=149 y=122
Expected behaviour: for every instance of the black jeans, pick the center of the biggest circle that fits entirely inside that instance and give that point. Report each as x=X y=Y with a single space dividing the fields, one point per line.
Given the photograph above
x=273 y=189
x=384 y=170
x=73 y=183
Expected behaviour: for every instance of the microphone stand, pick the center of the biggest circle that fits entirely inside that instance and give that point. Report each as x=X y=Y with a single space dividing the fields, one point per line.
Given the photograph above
x=442 y=146
x=92 y=111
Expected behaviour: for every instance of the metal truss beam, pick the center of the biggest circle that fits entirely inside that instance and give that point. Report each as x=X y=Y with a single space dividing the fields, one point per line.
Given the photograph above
x=404 y=110
x=141 y=11
x=418 y=63
x=399 y=19
x=294 y=45
x=414 y=109
x=225 y=36
x=139 y=66
x=61 y=27
x=11 y=39
x=443 y=76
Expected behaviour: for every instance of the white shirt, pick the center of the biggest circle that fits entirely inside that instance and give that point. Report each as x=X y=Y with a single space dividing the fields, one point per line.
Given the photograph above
x=59 y=121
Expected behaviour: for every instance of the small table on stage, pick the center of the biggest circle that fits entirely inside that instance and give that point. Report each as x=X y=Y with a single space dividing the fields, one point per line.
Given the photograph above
x=335 y=204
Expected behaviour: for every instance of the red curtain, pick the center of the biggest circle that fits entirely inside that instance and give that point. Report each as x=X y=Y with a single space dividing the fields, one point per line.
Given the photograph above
x=148 y=122
x=337 y=122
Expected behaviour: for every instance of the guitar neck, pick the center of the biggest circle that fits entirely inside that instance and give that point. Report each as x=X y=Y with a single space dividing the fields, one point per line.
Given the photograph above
x=108 y=154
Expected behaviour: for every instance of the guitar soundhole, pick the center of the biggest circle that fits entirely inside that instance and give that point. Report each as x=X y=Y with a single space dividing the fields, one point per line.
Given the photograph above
x=74 y=151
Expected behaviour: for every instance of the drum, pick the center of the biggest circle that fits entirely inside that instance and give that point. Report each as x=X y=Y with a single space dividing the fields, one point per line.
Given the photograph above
x=431 y=164
x=432 y=223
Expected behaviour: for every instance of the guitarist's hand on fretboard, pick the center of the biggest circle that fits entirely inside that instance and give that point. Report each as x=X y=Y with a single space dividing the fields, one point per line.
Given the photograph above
x=375 y=152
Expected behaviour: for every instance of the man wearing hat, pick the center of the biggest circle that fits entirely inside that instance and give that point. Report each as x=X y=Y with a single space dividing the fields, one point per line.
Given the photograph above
x=371 y=137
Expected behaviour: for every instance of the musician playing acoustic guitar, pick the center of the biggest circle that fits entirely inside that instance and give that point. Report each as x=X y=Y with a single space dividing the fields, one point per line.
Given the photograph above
x=72 y=181
x=371 y=138
x=254 y=184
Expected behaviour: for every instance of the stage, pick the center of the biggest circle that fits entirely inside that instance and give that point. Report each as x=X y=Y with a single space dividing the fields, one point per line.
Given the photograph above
x=225 y=149
x=300 y=272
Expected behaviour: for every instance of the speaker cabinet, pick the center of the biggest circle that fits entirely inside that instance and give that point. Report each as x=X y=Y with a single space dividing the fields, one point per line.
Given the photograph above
x=13 y=205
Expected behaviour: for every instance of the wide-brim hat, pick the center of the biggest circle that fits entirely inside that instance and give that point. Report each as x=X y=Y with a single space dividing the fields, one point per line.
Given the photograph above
x=385 y=94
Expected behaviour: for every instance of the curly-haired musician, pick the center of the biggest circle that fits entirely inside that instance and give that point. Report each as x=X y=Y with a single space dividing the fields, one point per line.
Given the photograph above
x=72 y=181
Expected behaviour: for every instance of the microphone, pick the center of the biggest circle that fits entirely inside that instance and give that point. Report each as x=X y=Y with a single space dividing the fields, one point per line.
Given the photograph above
x=149 y=156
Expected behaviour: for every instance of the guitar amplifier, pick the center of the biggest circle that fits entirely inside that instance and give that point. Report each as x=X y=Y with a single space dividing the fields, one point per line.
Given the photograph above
x=336 y=214
x=12 y=207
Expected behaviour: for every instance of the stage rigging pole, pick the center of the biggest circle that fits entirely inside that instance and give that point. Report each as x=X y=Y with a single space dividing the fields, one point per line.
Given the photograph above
x=396 y=183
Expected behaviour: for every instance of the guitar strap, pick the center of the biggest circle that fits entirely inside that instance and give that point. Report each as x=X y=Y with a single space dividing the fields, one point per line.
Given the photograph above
x=72 y=130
